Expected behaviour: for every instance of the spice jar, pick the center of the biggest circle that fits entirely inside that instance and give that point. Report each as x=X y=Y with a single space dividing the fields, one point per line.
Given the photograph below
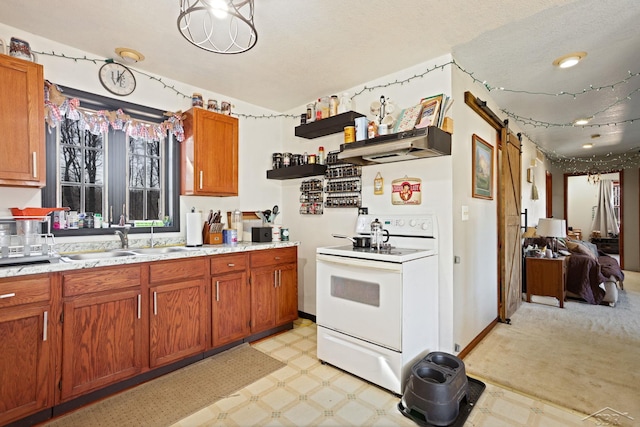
x=320 y=156
x=312 y=158
x=333 y=105
x=286 y=159
x=276 y=160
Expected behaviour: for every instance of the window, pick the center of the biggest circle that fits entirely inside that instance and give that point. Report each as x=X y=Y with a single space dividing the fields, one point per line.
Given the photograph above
x=110 y=172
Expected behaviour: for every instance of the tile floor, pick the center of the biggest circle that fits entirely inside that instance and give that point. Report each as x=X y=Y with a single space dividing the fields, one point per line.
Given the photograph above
x=308 y=393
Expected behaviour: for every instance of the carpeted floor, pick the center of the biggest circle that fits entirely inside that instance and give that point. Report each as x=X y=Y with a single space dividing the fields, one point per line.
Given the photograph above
x=583 y=357
x=170 y=398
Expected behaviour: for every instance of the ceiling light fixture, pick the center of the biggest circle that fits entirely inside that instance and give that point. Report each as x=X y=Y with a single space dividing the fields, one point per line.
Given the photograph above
x=129 y=56
x=219 y=26
x=587 y=145
x=569 y=60
x=580 y=122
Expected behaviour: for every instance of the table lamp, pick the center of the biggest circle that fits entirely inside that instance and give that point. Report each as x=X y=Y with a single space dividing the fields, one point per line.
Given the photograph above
x=551 y=227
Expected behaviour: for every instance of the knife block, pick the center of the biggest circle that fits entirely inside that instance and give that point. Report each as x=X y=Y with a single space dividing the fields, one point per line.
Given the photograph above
x=212 y=234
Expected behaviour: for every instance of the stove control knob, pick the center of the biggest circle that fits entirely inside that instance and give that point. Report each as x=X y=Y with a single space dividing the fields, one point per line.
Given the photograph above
x=412 y=222
x=401 y=222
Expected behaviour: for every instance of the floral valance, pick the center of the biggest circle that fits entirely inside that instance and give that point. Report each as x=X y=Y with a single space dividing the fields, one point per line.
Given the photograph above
x=57 y=107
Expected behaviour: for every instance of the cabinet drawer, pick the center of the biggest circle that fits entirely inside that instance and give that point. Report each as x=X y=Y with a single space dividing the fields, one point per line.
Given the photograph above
x=274 y=256
x=24 y=291
x=228 y=263
x=175 y=270
x=100 y=279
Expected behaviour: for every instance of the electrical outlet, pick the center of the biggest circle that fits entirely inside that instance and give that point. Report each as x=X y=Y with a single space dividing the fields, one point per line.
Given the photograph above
x=456 y=347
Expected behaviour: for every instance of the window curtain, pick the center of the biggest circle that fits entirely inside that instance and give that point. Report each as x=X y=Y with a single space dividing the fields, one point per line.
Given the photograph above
x=604 y=218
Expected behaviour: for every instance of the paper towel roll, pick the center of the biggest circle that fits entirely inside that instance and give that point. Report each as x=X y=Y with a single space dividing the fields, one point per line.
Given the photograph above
x=194 y=229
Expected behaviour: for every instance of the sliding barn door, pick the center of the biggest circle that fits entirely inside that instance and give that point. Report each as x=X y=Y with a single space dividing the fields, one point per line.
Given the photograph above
x=509 y=206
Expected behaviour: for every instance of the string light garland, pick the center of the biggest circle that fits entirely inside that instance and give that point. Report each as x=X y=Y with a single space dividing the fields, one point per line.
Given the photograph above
x=569 y=164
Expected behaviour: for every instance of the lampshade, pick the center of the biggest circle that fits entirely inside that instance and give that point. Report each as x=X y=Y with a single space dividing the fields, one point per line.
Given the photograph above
x=219 y=26
x=551 y=227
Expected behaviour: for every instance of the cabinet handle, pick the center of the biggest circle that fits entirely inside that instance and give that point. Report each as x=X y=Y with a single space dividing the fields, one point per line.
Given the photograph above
x=12 y=294
x=201 y=179
x=155 y=303
x=139 y=306
x=277 y=258
x=44 y=326
x=217 y=290
x=275 y=278
x=231 y=264
x=279 y=277
x=34 y=158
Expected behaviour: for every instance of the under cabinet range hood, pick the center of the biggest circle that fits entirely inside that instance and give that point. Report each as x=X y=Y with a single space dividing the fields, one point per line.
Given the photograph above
x=410 y=145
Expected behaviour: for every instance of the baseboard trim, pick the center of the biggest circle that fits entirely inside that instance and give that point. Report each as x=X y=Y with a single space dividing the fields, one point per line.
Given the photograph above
x=308 y=316
x=474 y=342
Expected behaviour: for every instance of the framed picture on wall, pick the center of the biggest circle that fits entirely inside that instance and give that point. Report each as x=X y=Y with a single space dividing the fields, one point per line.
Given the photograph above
x=482 y=173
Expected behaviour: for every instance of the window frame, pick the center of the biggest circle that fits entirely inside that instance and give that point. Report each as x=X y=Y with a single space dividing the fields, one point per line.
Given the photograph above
x=117 y=171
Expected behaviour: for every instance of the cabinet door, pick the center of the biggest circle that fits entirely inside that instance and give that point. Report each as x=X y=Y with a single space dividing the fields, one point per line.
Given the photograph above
x=230 y=308
x=21 y=121
x=26 y=384
x=287 y=294
x=263 y=307
x=102 y=341
x=178 y=322
x=210 y=154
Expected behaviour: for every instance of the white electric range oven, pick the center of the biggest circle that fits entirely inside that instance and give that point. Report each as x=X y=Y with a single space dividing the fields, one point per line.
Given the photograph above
x=377 y=310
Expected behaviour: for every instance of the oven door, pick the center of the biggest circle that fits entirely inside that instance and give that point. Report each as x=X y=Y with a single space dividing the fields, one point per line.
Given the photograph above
x=361 y=298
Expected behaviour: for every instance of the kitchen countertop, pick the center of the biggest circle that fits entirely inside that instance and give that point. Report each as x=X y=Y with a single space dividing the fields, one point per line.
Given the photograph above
x=206 y=250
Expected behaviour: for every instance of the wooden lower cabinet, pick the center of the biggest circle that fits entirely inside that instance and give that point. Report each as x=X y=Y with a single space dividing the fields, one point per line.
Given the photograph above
x=68 y=334
x=274 y=288
x=102 y=332
x=177 y=326
x=26 y=357
x=230 y=299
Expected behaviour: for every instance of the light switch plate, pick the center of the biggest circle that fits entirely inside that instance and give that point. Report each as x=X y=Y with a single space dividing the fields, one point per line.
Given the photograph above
x=465 y=213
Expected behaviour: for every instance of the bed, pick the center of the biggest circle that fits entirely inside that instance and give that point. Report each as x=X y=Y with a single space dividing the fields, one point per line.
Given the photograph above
x=592 y=275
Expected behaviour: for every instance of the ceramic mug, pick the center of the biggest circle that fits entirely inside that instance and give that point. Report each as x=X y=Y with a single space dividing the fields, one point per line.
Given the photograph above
x=21 y=49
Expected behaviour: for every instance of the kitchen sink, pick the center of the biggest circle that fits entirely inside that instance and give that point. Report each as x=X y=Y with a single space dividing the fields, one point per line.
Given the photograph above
x=89 y=256
x=158 y=251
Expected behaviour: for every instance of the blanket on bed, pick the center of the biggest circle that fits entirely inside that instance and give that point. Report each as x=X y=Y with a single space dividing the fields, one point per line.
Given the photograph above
x=585 y=274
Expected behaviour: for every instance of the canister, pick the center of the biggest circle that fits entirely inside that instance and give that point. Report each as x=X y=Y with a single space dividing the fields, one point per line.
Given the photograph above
x=284 y=234
x=349 y=134
x=361 y=124
x=286 y=159
x=276 y=160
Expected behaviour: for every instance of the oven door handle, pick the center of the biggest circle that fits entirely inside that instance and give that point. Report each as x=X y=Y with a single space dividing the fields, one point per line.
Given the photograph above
x=357 y=262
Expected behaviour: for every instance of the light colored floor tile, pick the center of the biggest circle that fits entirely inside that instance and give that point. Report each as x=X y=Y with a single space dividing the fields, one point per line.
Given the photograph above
x=308 y=393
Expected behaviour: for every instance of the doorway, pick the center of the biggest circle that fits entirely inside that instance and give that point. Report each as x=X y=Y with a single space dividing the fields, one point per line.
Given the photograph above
x=580 y=201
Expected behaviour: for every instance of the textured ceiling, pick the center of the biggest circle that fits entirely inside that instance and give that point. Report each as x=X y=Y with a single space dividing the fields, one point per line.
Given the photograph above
x=314 y=47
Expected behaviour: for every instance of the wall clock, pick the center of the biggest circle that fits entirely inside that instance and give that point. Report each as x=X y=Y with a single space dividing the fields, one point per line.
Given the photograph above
x=117 y=79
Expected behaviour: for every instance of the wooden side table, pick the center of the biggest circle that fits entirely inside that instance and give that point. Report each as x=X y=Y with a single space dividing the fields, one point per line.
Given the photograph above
x=547 y=277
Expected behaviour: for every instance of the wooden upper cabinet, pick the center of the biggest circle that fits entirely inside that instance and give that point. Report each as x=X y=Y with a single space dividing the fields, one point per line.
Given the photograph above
x=209 y=154
x=22 y=123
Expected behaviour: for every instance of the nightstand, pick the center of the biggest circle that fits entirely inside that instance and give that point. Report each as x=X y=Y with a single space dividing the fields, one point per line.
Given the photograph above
x=547 y=277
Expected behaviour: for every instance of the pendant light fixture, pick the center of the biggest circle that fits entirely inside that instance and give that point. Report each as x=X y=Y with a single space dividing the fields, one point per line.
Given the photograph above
x=219 y=26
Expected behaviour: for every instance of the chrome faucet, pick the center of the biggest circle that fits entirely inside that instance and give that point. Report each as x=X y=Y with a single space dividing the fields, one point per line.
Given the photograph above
x=124 y=237
x=151 y=244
